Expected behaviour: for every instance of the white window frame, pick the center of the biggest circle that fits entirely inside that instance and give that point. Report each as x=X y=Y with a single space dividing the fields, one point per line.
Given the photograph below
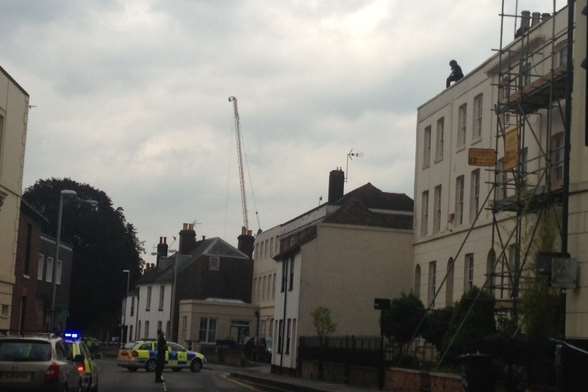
x=207 y=329
x=41 y=267
x=427 y=147
x=161 y=297
x=437 y=200
x=425 y=213
x=468 y=274
x=474 y=194
x=449 y=282
x=148 y=301
x=432 y=283
x=440 y=140
x=478 y=117
x=462 y=112
x=459 y=194
x=49 y=270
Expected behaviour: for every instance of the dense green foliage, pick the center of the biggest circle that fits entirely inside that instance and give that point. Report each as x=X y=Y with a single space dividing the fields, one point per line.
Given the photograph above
x=401 y=320
x=480 y=321
x=435 y=327
x=541 y=310
x=104 y=244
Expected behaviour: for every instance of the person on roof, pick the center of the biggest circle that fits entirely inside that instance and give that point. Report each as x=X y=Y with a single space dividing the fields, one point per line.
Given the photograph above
x=456 y=73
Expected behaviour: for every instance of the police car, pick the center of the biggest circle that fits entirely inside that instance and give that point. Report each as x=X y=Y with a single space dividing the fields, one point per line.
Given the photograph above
x=79 y=353
x=142 y=354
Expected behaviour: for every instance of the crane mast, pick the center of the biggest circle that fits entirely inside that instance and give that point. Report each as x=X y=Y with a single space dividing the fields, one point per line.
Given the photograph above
x=240 y=161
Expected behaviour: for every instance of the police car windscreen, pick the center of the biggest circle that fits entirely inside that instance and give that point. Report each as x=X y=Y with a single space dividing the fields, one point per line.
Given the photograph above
x=25 y=351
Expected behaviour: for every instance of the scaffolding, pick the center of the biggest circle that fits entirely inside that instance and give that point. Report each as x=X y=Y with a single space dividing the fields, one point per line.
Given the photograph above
x=533 y=111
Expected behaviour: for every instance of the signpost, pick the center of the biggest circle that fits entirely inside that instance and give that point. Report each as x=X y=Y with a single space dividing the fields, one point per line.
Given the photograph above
x=481 y=157
x=381 y=304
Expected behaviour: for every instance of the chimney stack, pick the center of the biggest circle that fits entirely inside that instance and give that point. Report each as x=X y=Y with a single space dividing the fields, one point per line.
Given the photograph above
x=525 y=23
x=535 y=18
x=336 y=185
x=161 y=249
x=545 y=16
x=245 y=242
x=187 y=239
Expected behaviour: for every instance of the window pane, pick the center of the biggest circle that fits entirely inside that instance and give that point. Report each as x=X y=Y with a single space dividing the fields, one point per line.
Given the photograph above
x=41 y=267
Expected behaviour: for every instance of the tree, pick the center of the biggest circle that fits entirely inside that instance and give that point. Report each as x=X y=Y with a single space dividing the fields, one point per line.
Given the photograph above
x=435 y=327
x=478 y=322
x=323 y=322
x=104 y=244
x=402 y=319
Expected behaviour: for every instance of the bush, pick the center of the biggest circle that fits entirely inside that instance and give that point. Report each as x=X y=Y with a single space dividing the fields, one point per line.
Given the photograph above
x=400 y=321
x=479 y=324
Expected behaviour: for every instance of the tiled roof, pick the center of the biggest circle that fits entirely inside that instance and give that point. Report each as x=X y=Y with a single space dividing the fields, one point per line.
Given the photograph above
x=374 y=198
x=209 y=246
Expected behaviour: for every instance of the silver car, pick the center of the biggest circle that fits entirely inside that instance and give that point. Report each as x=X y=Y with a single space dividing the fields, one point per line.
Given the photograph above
x=36 y=363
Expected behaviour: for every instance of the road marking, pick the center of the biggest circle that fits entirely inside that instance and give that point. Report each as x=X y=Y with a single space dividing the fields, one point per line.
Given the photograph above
x=246 y=386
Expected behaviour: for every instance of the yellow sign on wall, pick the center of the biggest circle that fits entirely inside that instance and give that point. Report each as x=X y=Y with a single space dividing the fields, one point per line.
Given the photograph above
x=482 y=157
x=511 y=149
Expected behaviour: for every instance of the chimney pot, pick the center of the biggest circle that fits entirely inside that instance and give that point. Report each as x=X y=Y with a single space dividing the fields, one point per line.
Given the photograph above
x=536 y=18
x=336 y=185
x=546 y=16
x=203 y=237
x=187 y=239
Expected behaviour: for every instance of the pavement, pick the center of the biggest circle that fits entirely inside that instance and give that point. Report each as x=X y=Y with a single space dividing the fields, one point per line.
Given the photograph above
x=115 y=379
x=261 y=378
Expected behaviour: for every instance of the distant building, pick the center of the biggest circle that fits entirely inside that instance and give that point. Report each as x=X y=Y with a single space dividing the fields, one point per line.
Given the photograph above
x=14 y=108
x=213 y=296
x=265 y=270
x=27 y=307
x=340 y=255
x=63 y=269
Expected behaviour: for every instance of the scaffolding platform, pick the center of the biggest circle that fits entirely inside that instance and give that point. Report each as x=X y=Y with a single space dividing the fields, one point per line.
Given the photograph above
x=530 y=204
x=539 y=94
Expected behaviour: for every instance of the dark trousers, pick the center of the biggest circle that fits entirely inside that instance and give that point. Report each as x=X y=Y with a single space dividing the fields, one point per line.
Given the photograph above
x=158 y=371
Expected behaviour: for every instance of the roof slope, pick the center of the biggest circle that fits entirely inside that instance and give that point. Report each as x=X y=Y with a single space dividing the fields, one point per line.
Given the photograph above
x=210 y=246
x=374 y=198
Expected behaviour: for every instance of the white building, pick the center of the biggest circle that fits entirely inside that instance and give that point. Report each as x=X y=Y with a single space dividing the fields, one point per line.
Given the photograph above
x=449 y=192
x=148 y=308
x=340 y=255
x=267 y=245
x=14 y=110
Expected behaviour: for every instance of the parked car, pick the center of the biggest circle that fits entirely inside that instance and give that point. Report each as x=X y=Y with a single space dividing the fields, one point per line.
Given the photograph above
x=37 y=363
x=80 y=354
x=141 y=355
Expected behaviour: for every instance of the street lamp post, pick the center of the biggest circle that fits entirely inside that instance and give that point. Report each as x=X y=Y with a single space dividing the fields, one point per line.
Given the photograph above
x=124 y=318
x=63 y=194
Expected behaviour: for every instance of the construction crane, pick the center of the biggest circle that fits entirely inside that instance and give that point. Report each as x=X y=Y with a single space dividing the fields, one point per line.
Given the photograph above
x=240 y=161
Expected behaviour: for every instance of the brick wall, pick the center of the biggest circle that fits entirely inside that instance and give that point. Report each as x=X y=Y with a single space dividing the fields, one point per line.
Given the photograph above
x=407 y=380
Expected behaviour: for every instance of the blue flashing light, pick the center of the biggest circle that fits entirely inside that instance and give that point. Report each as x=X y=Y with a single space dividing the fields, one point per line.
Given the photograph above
x=72 y=336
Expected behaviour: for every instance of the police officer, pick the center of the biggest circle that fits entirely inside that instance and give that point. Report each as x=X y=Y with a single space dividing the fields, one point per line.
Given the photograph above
x=456 y=73
x=160 y=360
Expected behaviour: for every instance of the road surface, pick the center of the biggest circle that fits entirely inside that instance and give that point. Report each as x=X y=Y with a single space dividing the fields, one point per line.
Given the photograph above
x=116 y=379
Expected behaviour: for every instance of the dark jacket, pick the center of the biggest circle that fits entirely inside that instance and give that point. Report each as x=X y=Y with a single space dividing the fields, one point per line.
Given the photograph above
x=161 y=348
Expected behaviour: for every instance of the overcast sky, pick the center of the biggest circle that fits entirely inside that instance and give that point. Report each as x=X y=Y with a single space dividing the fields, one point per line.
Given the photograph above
x=131 y=97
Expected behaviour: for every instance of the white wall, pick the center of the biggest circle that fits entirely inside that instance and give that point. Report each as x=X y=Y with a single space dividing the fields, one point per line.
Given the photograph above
x=291 y=300
x=153 y=315
x=265 y=278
